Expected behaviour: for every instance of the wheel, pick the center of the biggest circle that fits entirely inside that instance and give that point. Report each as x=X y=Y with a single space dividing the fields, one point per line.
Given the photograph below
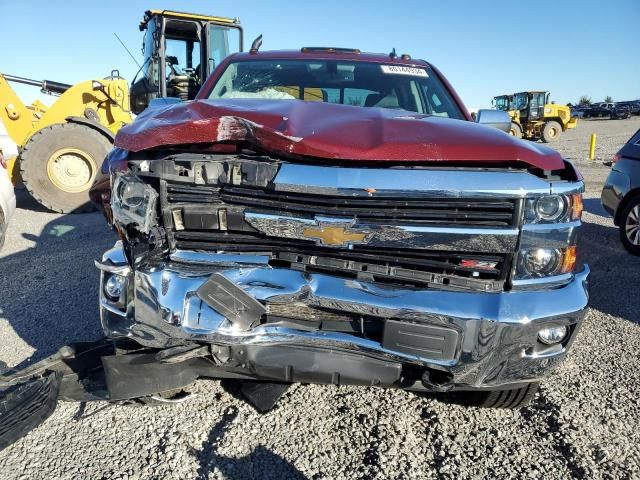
x=59 y=165
x=551 y=131
x=516 y=130
x=513 y=399
x=630 y=226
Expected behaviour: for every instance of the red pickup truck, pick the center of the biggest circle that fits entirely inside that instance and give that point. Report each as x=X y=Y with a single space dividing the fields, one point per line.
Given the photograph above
x=335 y=217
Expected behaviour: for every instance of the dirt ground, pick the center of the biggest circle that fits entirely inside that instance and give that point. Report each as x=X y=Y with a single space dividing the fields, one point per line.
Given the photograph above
x=584 y=423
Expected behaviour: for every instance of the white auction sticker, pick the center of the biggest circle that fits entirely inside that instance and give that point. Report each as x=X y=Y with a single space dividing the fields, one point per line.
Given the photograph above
x=403 y=70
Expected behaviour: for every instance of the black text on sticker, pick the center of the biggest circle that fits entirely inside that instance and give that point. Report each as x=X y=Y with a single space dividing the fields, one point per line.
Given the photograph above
x=402 y=70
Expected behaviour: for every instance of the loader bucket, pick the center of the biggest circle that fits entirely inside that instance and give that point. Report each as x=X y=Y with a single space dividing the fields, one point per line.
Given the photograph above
x=25 y=405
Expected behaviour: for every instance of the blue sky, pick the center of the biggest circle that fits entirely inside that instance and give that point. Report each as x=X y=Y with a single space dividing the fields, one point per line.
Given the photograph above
x=569 y=47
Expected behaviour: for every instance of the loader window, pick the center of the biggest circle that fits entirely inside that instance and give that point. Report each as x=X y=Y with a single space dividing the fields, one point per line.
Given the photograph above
x=182 y=59
x=223 y=41
x=150 y=65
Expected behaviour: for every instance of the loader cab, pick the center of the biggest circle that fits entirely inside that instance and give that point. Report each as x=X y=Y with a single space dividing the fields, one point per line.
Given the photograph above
x=502 y=102
x=179 y=51
x=531 y=104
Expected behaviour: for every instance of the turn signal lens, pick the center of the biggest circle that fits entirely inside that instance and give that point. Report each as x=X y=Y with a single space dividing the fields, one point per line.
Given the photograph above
x=577 y=206
x=569 y=259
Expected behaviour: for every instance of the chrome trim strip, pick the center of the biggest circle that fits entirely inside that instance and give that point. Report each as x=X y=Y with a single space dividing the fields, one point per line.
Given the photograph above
x=114 y=261
x=435 y=182
x=540 y=283
x=549 y=235
x=115 y=269
x=463 y=239
x=219 y=259
x=105 y=304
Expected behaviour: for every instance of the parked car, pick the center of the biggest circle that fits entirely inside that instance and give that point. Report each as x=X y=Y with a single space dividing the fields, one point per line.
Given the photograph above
x=577 y=111
x=333 y=217
x=634 y=106
x=7 y=199
x=610 y=110
x=621 y=194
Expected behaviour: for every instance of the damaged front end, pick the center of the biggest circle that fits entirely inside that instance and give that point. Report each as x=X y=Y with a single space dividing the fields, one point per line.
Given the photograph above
x=405 y=277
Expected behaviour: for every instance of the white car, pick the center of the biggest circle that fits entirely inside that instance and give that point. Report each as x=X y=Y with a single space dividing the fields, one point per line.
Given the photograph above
x=7 y=199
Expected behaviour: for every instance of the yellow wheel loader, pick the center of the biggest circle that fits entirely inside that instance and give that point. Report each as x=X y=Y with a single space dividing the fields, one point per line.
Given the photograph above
x=61 y=147
x=538 y=118
x=505 y=103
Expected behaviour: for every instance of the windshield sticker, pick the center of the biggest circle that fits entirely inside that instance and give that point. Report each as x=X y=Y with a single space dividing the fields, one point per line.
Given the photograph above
x=402 y=70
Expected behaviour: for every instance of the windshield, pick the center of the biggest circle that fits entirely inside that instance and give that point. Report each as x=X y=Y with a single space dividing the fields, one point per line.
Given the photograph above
x=521 y=100
x=359 y=84
x=502 y=103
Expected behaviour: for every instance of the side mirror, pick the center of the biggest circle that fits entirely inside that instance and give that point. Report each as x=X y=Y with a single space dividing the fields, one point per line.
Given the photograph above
x=494 y=118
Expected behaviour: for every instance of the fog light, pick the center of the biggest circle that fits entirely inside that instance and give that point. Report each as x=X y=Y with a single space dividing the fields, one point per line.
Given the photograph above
x=113 y=287
x=552 y=335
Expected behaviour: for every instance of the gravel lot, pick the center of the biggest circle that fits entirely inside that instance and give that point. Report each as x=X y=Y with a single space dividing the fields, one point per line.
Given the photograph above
x=585 y=422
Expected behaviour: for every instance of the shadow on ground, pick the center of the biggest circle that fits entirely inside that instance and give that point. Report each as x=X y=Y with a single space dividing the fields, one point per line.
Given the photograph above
x=49 y=292
x=593 y=205
x=614 y=272
x=260 y=463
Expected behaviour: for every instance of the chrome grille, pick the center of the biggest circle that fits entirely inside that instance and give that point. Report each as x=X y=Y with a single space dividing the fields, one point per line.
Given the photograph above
x=201 y=228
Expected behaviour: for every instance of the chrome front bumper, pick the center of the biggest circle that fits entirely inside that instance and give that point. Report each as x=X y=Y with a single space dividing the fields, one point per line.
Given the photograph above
x=492 y=336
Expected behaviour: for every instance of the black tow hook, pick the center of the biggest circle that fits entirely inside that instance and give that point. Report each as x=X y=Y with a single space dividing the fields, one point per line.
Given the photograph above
x=437 y=381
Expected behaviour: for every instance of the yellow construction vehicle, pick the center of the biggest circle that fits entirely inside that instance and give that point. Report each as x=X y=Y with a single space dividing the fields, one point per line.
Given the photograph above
x=533 y=117
x=505 y=103
x=61 y=147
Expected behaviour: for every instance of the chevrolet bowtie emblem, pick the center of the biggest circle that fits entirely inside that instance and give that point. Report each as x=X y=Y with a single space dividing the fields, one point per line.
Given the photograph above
x=334 y=236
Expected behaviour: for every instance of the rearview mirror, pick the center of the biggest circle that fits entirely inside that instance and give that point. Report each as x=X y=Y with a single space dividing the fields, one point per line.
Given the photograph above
x=494 y=118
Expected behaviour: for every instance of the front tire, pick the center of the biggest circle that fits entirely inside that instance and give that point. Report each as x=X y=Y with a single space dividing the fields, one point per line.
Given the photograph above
x=516 y=130
x=512 y=399
x=551 y=131
x=59 y=165
x=630 y=226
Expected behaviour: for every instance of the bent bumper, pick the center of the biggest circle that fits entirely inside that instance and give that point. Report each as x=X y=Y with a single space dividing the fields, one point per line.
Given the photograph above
x=472 y=340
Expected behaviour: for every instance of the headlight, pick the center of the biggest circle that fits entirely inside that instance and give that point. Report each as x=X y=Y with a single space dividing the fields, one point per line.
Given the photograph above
x=133 y=201
x=553 y=208
x=131 y=194
x=545 y=262
x=540 y=262
x=550 y=208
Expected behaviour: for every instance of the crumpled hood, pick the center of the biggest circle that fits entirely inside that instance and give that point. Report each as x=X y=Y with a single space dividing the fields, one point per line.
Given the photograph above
x=316 y=129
